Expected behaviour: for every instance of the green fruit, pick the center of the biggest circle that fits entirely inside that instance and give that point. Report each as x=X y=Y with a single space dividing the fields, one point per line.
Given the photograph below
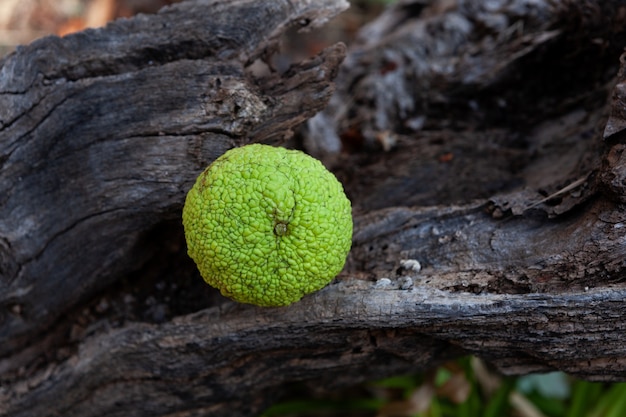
x=267 y=225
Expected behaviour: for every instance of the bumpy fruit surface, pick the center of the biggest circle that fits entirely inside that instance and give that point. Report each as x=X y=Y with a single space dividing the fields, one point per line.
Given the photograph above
x=267 y=225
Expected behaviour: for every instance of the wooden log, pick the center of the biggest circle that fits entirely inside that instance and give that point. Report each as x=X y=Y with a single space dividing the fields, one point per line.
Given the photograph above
x=499 y=235
x=104 y=131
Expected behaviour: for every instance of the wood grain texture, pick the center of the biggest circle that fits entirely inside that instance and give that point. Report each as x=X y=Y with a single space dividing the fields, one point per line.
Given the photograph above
x=217 y=360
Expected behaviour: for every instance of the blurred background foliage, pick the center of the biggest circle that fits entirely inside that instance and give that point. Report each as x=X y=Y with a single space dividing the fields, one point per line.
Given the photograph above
x=463 y=388
x=22 y=21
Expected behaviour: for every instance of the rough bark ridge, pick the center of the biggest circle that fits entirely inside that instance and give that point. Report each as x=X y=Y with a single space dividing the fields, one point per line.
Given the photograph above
x=484 y=155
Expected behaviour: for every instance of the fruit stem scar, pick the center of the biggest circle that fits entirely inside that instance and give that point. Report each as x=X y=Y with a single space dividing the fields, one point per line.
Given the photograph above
x=280 y=229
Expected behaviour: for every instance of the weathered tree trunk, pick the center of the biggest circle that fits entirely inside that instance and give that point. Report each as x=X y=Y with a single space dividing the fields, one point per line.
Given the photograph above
x=483 y=152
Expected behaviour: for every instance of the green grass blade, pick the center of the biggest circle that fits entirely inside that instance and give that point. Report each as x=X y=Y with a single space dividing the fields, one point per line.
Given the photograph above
x=585 y=395
x=617 y=407
x=499 y=405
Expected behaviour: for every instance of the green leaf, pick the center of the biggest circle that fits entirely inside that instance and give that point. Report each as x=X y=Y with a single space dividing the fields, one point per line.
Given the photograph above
x=552 y=385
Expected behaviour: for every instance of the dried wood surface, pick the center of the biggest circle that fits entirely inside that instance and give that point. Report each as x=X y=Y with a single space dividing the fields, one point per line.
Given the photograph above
x=104 y=131
x=498 y=174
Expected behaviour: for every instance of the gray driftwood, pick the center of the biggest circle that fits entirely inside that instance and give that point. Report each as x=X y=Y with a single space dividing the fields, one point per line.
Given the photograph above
x=483 y=153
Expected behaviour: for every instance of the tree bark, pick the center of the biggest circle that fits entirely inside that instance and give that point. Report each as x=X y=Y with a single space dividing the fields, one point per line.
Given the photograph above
x=485 y=165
